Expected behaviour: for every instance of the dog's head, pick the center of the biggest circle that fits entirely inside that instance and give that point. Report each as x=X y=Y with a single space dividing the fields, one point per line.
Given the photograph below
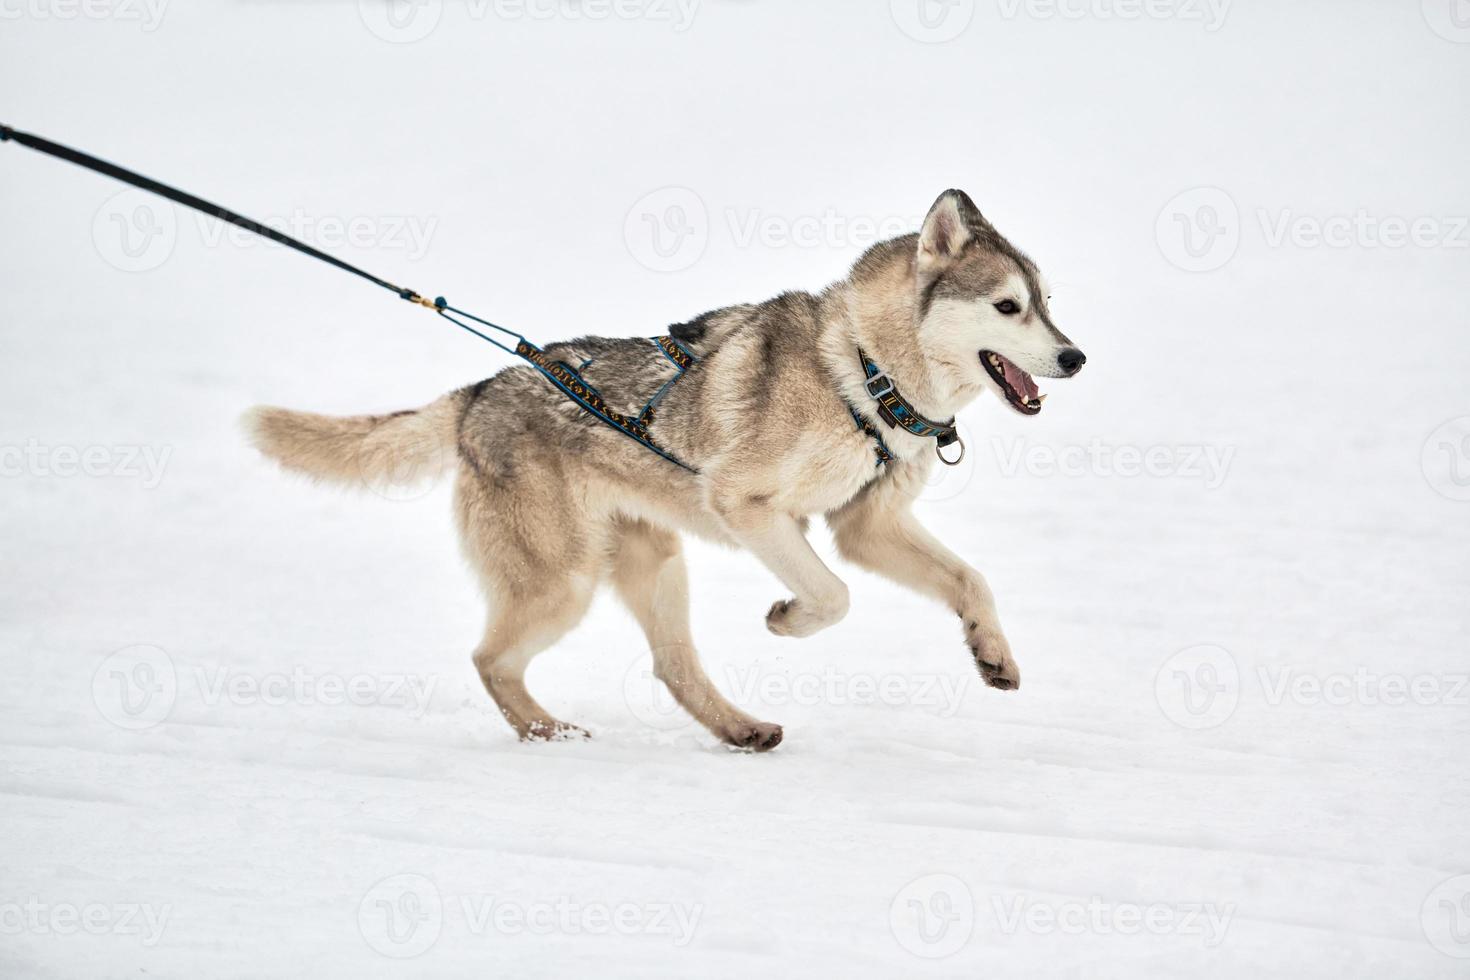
x=983 y=307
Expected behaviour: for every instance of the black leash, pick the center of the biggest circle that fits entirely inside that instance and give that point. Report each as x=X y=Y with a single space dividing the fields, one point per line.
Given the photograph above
x=567 y=380
x=197 y=203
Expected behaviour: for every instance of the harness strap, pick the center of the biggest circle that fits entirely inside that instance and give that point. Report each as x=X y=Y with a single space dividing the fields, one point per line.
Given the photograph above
x=880 y=448
x=570 y=382
x=895 y=410
x=680 y=357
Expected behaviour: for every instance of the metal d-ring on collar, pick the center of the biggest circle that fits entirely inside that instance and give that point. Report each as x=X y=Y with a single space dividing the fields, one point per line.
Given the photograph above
x=895 y=410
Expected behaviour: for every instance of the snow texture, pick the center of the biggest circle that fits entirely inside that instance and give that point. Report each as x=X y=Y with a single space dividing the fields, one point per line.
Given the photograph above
x=241 y=735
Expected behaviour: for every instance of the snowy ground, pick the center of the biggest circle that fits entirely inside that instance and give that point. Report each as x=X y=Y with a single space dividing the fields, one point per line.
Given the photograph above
x=241 y=735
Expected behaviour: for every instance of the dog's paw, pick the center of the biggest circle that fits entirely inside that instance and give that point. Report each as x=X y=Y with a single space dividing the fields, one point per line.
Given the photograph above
x=754 y=736
x=992 y=656
x=792 y=617
x=560 y=731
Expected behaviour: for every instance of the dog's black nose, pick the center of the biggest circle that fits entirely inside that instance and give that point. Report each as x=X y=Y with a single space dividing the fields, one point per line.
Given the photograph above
x=1071 y=360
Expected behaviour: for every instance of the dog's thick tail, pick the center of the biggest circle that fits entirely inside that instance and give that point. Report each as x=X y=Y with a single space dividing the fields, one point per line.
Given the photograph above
x=376 y=452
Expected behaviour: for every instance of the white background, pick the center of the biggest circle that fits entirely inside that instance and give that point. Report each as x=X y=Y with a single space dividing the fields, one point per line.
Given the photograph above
x=1171 y=750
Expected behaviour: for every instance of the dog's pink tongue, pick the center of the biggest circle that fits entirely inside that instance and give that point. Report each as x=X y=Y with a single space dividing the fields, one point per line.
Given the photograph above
x=1019 y=380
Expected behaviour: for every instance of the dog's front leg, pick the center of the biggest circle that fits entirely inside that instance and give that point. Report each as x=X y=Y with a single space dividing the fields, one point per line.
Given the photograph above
x=819 y=597
x=878 y=532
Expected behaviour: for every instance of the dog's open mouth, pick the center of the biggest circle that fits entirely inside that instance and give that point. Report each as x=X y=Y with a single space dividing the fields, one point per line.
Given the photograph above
x=1018 y=387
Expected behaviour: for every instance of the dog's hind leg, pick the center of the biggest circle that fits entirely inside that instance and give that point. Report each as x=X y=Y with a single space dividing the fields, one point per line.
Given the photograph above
x=520 y=627
x=539 y=560
x=649 y=576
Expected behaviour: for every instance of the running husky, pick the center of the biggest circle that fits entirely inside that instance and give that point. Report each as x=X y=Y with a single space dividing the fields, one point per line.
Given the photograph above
x=777 y=417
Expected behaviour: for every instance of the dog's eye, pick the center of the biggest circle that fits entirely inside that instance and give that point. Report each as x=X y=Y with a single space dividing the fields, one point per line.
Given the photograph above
x=1008 y=307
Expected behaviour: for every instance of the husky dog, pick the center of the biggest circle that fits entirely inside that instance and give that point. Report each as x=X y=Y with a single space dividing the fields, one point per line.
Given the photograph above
x=774 y=421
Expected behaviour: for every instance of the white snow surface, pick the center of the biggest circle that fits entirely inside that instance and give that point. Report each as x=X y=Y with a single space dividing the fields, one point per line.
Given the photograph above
x=1239 y=748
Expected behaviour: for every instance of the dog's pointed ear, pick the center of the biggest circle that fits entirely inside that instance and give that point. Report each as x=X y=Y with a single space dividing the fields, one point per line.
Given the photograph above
x=952 y=222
